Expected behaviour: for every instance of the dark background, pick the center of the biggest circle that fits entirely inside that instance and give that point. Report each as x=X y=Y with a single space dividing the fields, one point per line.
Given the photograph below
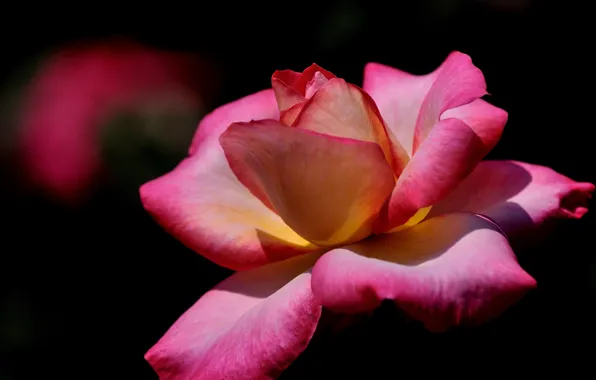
x=86 y=292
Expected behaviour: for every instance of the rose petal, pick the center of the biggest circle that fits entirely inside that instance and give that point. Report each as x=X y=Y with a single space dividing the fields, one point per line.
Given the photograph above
x=458 y=82
x=412 y=104
x=260 y=105
x=288 y=116
x=249 y=327
x=447 y=156
x=291 y=87
x=399 y=96
x=202 y=204
x=344 y=110
x=328 y=189
x=519 y=197
x=483 y=118
x=446 y=271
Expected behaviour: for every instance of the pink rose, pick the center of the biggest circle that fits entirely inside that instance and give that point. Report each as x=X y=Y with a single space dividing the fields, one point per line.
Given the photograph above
x=81 y=89
x=343 y=197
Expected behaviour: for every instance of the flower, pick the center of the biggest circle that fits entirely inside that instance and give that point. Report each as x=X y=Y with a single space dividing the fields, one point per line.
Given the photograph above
x=88 y=90
x=323 y=194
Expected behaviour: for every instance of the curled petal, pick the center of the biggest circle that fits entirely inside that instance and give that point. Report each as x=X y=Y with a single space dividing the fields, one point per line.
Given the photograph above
x=447 y=156
x=260 y=105
x=344 y=110
x=486 y=120
x=457 y=82
x=449 y=270
x=519 y=197
x=202 y=204
x=328 y=189
x=292 y=88
x=249 y=327
x=412 y=104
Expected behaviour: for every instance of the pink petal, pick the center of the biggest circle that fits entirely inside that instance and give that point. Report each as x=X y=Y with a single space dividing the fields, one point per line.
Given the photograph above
x=399 y=96
x=344 y=110
x=412 y=104
x=519 y=197
x=328 y=189
x=202 y=204
x=292 y=87
x=249 y=327
x=260 y=105
x=458 y=82
x=449 y=270
x=448 y=155
x=483 y=118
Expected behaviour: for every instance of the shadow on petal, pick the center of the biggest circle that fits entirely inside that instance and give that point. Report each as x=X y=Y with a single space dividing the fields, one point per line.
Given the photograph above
x=268 y=279
x=506 y=181
x=450 y=270
x=250 y=326
x=523 y=199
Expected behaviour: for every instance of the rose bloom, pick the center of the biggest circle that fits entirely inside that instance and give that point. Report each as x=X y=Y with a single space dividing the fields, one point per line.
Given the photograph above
x=322 y=194
x=83 y=89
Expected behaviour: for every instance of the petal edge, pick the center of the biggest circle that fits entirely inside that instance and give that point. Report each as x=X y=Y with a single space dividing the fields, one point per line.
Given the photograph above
x=447 y=271
x=251 y=326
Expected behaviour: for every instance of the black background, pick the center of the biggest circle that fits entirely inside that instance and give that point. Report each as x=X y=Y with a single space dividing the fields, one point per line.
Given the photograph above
x=88 y=291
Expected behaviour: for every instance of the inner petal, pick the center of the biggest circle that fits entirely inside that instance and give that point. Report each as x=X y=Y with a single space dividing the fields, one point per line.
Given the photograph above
x=318 y=80
x=344 y=110
x=327 y=189
x=293 y=88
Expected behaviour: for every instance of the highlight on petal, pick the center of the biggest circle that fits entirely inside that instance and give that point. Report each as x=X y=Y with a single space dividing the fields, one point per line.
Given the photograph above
x=202 y=204
x=327 y=189
x=292 y=87
x=448 y=155
x=412 y=104
x=344 y=110
x=249 y=327
x=449 y=270
x=260 y=105
x=520 y=197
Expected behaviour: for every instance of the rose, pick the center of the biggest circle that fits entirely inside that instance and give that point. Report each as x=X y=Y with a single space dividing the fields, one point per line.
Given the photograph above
x=85 y=94
x=344 y=197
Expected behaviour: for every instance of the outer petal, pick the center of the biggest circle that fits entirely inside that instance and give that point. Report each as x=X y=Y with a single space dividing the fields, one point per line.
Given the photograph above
x=447 y=156
x=327 y=189
x=486 y=120
x=202 y=204
x=520 y=197
x=249 y=327
x=260 y=105
x=344 y=110
x=449 y=270
x=412 y=104
x=457 y=82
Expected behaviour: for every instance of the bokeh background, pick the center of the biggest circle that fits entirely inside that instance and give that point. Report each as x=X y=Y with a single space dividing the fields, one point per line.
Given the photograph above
x=89 y=282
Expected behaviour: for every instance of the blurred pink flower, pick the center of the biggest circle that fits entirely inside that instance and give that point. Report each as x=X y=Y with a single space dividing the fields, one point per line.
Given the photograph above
x=81 y=89
x=323 y=194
